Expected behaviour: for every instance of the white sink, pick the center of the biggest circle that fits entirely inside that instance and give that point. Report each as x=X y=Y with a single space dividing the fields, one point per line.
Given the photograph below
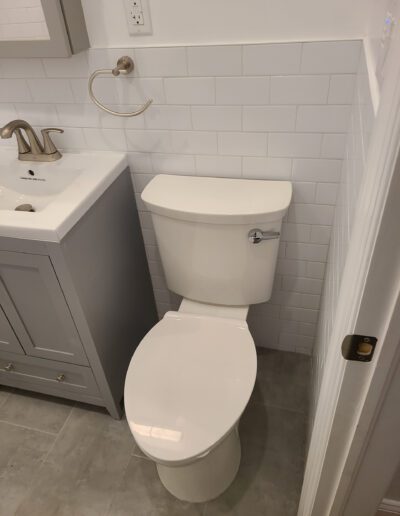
x=60 y=192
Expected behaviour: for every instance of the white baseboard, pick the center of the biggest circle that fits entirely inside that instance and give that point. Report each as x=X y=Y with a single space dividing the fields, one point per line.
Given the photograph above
x=392 y=506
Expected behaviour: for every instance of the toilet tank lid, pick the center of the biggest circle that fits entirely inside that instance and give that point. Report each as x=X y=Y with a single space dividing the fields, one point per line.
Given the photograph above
x=218 y=200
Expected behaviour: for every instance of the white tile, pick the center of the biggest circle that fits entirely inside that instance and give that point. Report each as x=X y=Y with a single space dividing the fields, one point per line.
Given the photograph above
x=14 y=90
x=21 y=68
x=38 y=114
x=315 y=270
x=50 y=90
x=267 y=168
x=302 y=285
x=175 y=142
x=140 y=162
x=146 y=223
x=295 y=232
x=299 y=314
x=296 y=343
x=191 y=90
x=242 y=144
x=71 y=139
x=310 y=301
x=7 y=113
x=74 y=66
x=320 y=234
x=78 y=115
x=105 y=139
x=104 y=89
x=132 y=90
x=215 y=60
x=307 y=329
x=217 y=118
x=341 y=89
x=326 y=193
x=299 y=89
x=161 y=62
x=219 y=166
x=115 y=122
x=168 y=117
x=330 y=57
x=294 y=145
x=291 y=267
x=108 y=57
x=311 y=214
x=306 y=251
x=271 y=59
x=173 y=164
x=304 y=192
x=149 y=141
x=242 y=90
x=333 y=146
x=140 y=181
x=269 y=118
x=323 y=119
x=320 y=170
x=194 y=142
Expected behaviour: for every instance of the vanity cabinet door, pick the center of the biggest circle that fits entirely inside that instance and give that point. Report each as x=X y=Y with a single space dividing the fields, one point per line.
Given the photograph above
x=34 y=303
x=8 y=339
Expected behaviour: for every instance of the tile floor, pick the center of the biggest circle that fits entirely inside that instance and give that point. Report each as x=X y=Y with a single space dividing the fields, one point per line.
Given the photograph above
x=60 y=458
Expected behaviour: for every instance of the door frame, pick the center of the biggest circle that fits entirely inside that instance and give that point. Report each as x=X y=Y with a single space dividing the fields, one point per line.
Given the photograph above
x=352 y=394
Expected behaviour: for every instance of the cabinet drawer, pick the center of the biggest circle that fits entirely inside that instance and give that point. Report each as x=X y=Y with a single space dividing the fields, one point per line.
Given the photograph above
x=46 y=375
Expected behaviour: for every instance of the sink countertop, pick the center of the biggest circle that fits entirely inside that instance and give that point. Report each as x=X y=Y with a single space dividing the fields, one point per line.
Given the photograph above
x=61 y=191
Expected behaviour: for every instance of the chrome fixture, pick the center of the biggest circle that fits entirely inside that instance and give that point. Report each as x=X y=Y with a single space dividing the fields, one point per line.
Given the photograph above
x=257 y=235
x=124 y=66
x=34 y=150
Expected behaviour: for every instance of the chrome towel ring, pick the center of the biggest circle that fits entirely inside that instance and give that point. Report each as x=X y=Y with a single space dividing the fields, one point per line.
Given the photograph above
x=124 y=66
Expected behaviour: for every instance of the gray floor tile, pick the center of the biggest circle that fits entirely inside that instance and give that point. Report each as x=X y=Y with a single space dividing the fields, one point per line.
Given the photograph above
x=83 y=469
x=21 y=453
x=273 y=429
x=283 y=380
x=267 y=484
x=4 y=394
x=141 y=493
x=36 y=411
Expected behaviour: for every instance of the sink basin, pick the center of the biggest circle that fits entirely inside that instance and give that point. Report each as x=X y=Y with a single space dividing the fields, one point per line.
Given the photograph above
x=59 y=192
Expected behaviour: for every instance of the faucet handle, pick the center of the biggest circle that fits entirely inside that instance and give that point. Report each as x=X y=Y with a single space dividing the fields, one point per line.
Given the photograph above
x=48 y=144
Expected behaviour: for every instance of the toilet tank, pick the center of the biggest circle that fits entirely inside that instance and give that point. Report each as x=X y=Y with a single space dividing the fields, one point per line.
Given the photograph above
x=202 y=227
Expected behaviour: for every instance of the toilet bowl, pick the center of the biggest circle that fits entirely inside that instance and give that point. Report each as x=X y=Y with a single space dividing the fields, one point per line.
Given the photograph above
x=186 y=387
x=192 y=375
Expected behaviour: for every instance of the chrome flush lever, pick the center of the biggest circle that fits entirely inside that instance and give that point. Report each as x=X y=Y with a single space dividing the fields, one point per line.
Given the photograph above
x=257 y=235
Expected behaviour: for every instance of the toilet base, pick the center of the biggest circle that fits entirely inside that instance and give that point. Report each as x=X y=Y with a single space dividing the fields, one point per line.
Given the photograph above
x=207 y=477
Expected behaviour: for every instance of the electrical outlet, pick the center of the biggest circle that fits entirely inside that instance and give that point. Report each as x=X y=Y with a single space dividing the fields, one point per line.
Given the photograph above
x=138 y=16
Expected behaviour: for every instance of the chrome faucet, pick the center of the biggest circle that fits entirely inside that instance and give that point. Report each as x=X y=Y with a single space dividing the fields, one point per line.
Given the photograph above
x=34 y=150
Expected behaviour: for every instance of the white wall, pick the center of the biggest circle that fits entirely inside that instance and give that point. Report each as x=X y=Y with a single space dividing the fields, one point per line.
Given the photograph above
x=204 y=22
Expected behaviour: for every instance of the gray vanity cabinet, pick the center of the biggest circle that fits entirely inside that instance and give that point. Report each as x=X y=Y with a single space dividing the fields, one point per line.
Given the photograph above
x=33 y=301
x=8 y=339
x=72 y=312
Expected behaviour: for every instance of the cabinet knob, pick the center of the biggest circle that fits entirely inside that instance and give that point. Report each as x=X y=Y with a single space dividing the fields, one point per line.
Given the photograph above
x=9 y=367
x=60 y=378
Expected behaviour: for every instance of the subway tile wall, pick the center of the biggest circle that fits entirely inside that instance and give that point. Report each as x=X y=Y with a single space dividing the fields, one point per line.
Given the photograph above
x=352 y=174
x=270 y=111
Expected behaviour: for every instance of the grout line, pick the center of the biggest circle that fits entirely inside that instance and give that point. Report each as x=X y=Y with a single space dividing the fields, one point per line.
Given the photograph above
x=54 y=434
x=44 y=460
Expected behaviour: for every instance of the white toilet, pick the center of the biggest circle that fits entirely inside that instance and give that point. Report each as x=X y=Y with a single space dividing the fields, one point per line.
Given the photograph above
x=192 y=375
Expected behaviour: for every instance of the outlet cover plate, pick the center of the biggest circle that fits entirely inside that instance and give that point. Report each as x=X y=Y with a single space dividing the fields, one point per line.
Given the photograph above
x=138 y=17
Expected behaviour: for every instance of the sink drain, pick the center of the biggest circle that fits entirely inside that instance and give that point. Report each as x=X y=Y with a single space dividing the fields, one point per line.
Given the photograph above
x=25 y=207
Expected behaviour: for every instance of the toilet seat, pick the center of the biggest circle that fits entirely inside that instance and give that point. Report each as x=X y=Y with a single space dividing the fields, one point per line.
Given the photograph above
x=187 y=385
